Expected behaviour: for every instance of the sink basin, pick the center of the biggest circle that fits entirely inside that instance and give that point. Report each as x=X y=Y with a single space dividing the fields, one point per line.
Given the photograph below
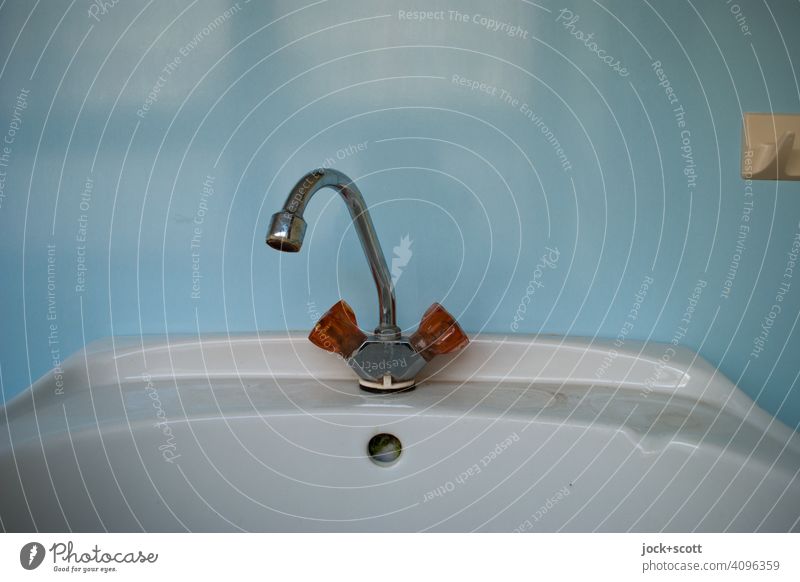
x=268 y=433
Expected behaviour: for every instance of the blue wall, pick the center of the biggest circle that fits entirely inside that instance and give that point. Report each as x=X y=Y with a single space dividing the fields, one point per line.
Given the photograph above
x=557 y=149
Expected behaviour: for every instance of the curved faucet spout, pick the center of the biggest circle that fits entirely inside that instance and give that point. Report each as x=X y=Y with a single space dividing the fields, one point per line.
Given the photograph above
x=287 y=230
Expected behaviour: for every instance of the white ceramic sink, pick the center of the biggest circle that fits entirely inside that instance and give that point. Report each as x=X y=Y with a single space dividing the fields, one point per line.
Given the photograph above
x=269 y=433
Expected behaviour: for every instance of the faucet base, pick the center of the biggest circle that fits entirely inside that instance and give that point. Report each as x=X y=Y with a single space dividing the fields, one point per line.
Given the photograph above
x=387 y=385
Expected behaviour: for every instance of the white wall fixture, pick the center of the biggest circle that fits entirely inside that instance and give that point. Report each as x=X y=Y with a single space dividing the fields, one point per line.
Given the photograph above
x=771 y=146
x=268 y=433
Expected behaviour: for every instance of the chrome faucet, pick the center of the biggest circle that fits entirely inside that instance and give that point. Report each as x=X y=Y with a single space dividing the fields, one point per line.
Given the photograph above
x=288 y=229
x=385 y=361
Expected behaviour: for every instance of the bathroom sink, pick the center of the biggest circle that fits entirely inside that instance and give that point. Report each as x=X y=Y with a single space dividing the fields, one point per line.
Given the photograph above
x=268 y=433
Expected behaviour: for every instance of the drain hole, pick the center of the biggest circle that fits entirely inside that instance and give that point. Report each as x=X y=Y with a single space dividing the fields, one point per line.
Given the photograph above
x=384 y=449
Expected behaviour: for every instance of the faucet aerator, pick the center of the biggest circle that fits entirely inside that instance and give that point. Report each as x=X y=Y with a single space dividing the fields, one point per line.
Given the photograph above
x=286 y=232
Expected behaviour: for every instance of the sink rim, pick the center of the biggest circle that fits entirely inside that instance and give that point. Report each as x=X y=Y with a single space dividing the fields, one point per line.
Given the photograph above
x=531 y=360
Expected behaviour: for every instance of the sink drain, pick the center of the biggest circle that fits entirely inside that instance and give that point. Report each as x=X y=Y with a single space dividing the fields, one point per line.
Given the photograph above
x=384 y=449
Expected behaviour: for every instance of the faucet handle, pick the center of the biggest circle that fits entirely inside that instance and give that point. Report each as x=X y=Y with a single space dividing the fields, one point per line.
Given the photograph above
x=337 y=331
x=438 y=333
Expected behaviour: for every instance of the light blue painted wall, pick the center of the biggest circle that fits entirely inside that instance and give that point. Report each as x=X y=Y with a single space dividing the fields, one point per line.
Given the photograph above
x=277 y=88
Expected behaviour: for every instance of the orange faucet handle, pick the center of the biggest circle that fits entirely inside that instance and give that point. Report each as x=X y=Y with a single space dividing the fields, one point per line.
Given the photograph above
x=337 y=331
x=438 y=334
